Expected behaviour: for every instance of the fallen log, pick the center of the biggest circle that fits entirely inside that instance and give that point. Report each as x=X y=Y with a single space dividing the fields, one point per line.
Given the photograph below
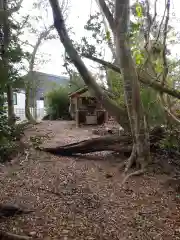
x=116 y=143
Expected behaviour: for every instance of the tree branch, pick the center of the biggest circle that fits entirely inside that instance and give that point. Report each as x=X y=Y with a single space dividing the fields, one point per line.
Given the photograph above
x=107 y=14
x=42 y=36
x=159 y=31
x=16 y=8
x=143 y=78
x=109 y=40
x=165 y=64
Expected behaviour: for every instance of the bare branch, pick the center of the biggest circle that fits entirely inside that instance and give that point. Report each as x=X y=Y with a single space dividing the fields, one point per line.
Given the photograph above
x=149 y=20
x=26 y=43
x=107 y=14
x=165 y=64
x=16 y=8
x=109 y=40
x=42 y=36
x=155 y=11
x=162 y=20
x=24 y=22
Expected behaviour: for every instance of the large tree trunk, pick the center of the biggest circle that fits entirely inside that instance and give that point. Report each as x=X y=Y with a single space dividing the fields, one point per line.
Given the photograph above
x=5 y=61
x=28 y=114
x=109 y=105
x=10 y=101
x=140 y=135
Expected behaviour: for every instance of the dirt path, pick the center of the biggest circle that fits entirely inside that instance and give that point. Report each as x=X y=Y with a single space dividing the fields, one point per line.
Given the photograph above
x=77 y=198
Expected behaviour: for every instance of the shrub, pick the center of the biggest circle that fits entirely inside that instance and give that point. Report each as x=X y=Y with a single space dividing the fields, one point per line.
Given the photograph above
x=9 y=135
x=58 y=103
x=172 y=140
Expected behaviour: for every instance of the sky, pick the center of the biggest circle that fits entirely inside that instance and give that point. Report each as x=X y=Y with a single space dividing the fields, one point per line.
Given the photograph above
x=79 y=13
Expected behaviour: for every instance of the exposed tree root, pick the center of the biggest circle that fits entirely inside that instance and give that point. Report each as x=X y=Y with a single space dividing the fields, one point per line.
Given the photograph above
x=136 y=173
x=131 y=159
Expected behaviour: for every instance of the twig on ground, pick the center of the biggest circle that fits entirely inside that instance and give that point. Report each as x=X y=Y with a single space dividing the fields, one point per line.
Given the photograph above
x=27 y=155
x=50 y=191
x=11 y=236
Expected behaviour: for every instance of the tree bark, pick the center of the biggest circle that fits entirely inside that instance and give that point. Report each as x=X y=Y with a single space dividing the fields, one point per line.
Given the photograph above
x=11 y=114
x=5 y=61
x=141 y=146
x=109 y=105
x=28 y=114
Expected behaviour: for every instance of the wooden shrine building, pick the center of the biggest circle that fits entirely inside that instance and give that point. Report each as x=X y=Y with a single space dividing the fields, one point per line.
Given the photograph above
x=85 y=109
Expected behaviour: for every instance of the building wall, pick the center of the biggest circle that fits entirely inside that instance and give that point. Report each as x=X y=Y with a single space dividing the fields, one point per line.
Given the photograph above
x=19 y=107
x=20 y=100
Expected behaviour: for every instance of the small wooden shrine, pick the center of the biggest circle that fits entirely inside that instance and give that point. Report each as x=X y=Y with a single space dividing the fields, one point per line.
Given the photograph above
x=86 y=109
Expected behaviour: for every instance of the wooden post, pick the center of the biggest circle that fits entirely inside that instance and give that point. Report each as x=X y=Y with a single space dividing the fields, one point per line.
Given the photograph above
x=106 y=116
x=76 y=112
x=77 y=118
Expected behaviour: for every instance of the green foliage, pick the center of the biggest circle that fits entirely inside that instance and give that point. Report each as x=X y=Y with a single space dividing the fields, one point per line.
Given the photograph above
x=115 y=83
x=153 y=109
x=58 y=103
x=172 y=140
x=9 y=136
x=138 y=56
x=108 y=35
x=10 y=74
x=98 y=35
x=139 y=10
x=75 y=82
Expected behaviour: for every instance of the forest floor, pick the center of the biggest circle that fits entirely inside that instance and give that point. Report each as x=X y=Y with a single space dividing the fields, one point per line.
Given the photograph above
x=81 y=198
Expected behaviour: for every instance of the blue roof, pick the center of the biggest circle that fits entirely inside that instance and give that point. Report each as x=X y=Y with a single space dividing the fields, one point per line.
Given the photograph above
x=46 y=82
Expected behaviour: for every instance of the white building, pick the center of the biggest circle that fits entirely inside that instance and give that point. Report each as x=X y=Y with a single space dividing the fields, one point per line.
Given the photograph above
x=19 y=106
x=45 y=83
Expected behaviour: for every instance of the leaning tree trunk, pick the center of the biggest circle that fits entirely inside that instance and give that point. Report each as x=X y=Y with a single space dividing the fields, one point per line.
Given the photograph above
x=140 y=135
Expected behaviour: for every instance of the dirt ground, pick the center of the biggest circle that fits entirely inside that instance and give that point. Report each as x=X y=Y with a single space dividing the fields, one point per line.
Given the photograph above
x=81 y=198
